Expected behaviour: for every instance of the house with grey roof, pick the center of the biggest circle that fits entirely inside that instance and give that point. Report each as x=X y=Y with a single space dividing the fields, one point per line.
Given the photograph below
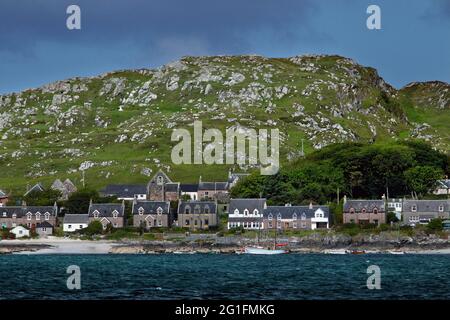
x=197 y=215
x=151 y=214
x=422 y=211
x=127 y=192
x=66 y=188
x=364 y=211
x=235 y=177
x=162 y=188
x=108 y=213
x=29 y=216
x=442 y=187
x=38 y=187
x=246 y=213
x=213 y=191
x=75 y=222
x=290 y=217
x=44 y=229
x=190 y=190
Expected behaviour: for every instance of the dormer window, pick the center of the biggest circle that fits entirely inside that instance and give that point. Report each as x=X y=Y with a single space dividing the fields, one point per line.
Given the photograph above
x=303 y=216
x=4 y=214
x=141 y=211
x=197 y=210
x=270 y=217
x=255 y=212
x=96 y=214
x=38 y=216
x=279 y=216
x=363 y=210
x=375 y=210
x=29 y=215
x=352 y=211
x=14 y=216
x=115 y=214
x=294 y=216
x=441 y=208
x=246 y=212
x=206 y=209
x=414 y=208
x=159 y=210
x=187 y=210
x=236 y=211
x=47 y=216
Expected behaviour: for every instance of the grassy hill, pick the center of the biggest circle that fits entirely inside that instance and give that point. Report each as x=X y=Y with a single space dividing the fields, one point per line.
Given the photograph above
x=117 y=126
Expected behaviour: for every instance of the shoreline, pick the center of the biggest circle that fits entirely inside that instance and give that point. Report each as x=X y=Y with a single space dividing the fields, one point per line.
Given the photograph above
x=77 y=246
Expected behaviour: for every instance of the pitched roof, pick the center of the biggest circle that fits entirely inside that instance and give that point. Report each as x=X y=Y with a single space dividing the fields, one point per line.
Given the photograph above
x=188 y=187
x=197 y=205
x=150 y=207
x=368 y=205
x=106 y=209
x=219 y=186
x=249 y=204
x=287 y=212
x=426 y=205
x=36 y=188
x=124 y=190
x=234 y=177
x=171 y=187
x=70 y=186
x=76 y=218
x=44 y=224
x=22 y=211
x=3 y=194
x=58 y=185
x=445 y=184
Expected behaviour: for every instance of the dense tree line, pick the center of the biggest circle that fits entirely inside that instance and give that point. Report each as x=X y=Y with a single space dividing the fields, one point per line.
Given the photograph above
x=357 y=170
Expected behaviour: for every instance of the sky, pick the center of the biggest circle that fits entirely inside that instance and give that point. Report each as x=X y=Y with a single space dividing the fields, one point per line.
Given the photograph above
x=36 y=47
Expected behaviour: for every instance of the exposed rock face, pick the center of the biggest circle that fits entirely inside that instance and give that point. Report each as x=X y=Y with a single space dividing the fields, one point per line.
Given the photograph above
x=326 y=99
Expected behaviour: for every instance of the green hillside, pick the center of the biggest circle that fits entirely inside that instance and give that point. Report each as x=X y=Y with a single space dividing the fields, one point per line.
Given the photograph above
x=117 y=126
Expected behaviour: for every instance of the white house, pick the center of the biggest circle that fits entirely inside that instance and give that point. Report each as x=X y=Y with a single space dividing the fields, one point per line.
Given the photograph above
x=396 y=206
x=74 y=222
x=20 y=232
x=246 y=213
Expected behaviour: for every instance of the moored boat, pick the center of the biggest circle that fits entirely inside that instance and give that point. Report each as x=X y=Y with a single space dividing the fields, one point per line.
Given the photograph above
x=260 y=250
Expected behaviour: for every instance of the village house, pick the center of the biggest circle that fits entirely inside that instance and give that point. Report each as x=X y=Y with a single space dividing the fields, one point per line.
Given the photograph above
x=29 y=216
x=66 y=188
x=151 y=214
x=75 y=222
x=38 y=187
x=246 y=213
x=290 y=217
x=213 y=191
x=107 y=213
x=127 y=192
x=3 y=198
x=423 y=211
x=161 y=188
x=20 y=232
x=395 y=206
x=197 y=214
x=442 y=187
x=364 y=211
x=44 y=229
x=189 y=190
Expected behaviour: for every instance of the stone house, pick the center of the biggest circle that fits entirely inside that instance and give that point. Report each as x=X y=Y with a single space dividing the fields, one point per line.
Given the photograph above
x=197 y=214
x=290 y=217
x=29 y=216
x=364 y=211
x=108 y=213
x=151 y=214
x=161 y=188
x=246 y=213
x=66 y=188
x=213 y=191
x=422 y=211
x=44 y=229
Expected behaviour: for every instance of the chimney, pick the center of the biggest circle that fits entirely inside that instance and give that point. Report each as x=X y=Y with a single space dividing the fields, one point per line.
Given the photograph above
x=310 y=205
x=24 y=204
x=345 y=198
x=135 y=200
x=288 y=205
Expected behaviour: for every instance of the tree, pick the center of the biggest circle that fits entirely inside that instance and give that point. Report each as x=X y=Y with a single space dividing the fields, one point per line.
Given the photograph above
x=422 y=179
x=42 y=198
x=391 y=217
x=435 y=225
x=78 y=202
x=95 y=227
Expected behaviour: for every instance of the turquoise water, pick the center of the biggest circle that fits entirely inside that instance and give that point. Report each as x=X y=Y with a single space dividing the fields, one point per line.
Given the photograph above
x=210 y=276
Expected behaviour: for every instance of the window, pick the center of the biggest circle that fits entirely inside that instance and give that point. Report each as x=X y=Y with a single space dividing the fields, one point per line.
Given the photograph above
x=294 y=216
x=270 y=224
x=206 y=222
x=38 y=216
x=303 y=224
x=279 y=224
x=187 y=222
x=29 y=215
x=270 y=217
x=294 y=225
x=206 y=209
x=159 y=210
x=363 y=210
x=255 y=212
x=47 y=216
x=187 y=210
x=14 y=216
x=4 y=214
x=141 y=211
x=414 y=208
x=116 y=225
x=279 y=216
x=159 y=223
x=375 y=211
x=303 y=216
x=96 y=214
x=160 y=180
x=236 y=211
x=441 y=208
x=69 y=226
x=197 y=210
x=81 y=226
x=115 y=214
x=245 y=212
x=375 y=221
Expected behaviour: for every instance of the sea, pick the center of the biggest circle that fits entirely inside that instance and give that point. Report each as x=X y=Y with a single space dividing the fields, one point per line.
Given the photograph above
x=220 y=276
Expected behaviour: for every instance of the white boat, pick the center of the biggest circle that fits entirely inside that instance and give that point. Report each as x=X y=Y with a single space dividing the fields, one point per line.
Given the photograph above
x=260 y=250
x=335 y=252
x=396 y=252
